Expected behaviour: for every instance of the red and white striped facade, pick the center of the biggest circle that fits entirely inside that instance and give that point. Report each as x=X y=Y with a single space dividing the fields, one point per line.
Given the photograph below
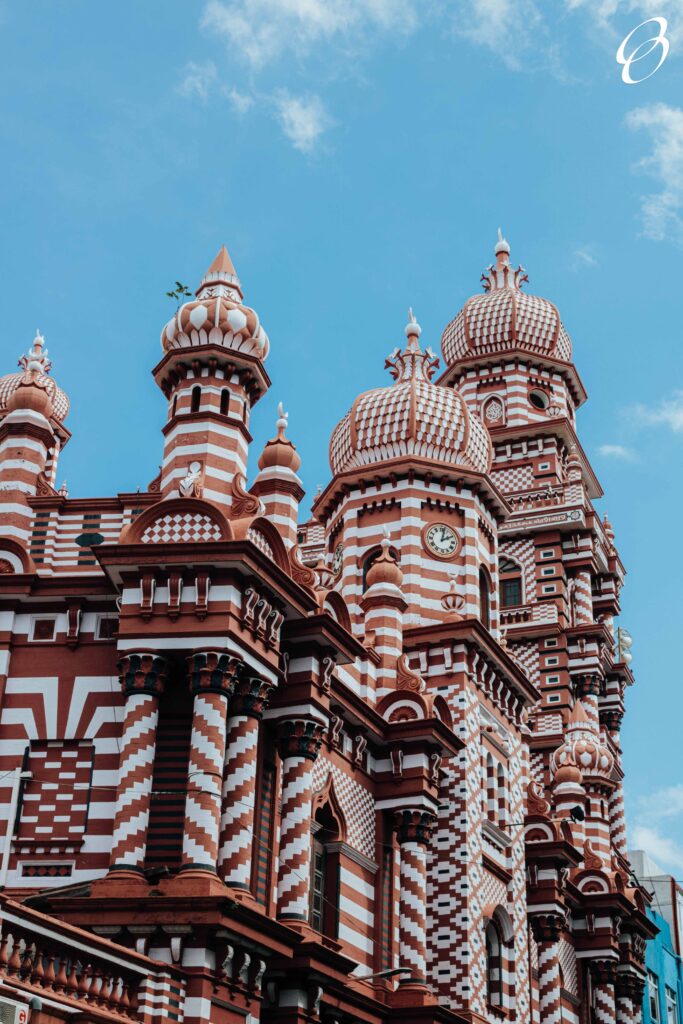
x=361 y=769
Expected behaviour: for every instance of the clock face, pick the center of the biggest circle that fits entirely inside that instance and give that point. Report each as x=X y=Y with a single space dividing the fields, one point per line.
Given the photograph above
x=441 y=540
x=337 y=559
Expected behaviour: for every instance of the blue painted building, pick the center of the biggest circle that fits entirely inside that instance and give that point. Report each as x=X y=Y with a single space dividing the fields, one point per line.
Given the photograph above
x=663 y=997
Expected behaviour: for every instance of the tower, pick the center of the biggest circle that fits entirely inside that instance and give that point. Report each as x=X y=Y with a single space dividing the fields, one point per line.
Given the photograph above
x=212 y=374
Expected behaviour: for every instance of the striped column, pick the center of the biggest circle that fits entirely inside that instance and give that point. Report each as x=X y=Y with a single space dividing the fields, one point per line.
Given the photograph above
x=413 y=831
x=212 y=679
x=299 y=742
x=587 y=688
x=547 y=930
x=239 y=780
x=604 y=973
x=583 y=599
x=143 y=677
x=617 y=820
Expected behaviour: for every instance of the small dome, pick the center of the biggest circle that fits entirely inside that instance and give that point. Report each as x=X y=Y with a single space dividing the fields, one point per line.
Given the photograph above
x=279 y=452
x=412 y=416
x=505 y=318
x=583 y=749
x=34 y=376
x=217 y=316
x=385 y=569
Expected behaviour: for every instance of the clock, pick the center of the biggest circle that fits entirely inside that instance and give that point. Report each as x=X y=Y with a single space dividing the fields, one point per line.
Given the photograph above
x=337 y=558
x=441 y=540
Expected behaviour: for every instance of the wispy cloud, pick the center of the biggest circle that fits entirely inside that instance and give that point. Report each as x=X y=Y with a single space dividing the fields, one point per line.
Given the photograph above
x=260 y=31
x=617 y=451
x=668 y=413
x=662 y=210
x=667 y=853
x=303 y=119
x=584 y=256
x=241 y=102
x=197 y=80
x=655 y=814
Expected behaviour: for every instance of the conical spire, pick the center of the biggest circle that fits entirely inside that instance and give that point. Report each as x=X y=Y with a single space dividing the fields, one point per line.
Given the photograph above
x=222 y=264
x=221 y=278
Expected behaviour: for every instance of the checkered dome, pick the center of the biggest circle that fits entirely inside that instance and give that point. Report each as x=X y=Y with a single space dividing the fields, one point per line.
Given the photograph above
x=505 y=319
x=10 y=382
x=413 y=416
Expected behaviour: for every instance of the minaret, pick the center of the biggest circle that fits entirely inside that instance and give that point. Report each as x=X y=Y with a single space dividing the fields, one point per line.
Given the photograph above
x=212 y=374
x=27 y=439
x=277 y=483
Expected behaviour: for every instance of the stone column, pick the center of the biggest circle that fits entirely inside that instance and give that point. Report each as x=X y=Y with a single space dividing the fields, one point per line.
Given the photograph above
x=604 y=975
x=299 y=742
x=414 y=832
x=547 y=930
x=212 y=679
x=247 y=705
x=143 y=677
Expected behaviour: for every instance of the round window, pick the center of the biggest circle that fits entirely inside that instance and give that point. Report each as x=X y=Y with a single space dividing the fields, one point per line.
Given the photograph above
x=539 y=399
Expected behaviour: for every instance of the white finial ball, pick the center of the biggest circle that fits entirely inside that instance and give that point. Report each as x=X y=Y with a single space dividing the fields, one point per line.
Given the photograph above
x=413 y=329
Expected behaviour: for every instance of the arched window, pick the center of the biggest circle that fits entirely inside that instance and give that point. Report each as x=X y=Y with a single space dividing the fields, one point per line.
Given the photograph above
x=510 y=574
x=175 y=405
x=490 y=788
x=484 y=598
x=324 y=894
x=196 y=399
x=493 y=965
x=225 y=401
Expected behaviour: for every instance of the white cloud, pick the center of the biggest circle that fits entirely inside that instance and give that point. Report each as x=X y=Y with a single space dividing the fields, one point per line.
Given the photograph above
x=664 y=851
x=303 y=119
x=241 y=102
x=617 y=451
x=662 y=210
x=668 y=413
x=259 y=31
x=510 y=28
x=198 y=80
x=584 y=257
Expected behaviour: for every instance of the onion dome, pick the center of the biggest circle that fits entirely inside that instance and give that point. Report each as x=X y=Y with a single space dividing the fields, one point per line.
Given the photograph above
x=582 y=749
x=217 y=316
x=280 y=453
x=412 y=416
x=505 y=318
x=384 y=570
x=32 y=387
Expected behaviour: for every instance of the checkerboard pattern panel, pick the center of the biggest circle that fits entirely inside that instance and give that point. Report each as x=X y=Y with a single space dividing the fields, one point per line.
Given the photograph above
x=356 y=802
x=257 y=538
x=526 y=655
x=177 y=527
x=514 y=479
x=55 y=800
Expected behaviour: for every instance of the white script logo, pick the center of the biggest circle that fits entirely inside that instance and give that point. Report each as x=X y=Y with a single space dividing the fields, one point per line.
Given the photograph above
x=640 y=53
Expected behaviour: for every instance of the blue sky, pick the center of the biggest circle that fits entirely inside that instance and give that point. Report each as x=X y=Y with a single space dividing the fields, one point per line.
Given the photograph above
x=357 y=157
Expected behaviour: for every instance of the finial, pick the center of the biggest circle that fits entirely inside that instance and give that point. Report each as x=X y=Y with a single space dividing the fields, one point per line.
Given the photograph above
x=386 y=539
x=282 y=420
x=502 y=245
x=36 y=358
x=413 y=329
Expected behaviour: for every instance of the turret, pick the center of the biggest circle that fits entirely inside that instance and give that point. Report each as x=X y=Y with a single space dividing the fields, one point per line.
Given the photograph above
x=212 y=374
x=277 y=483
x=31 y=434
x=384 y=606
